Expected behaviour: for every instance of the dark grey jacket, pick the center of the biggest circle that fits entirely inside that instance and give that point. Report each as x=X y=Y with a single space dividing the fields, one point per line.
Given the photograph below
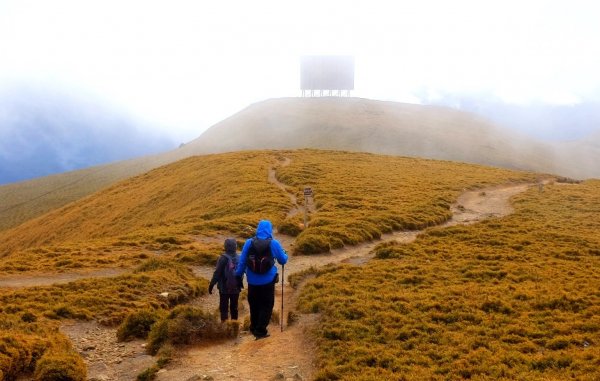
x=218 y=277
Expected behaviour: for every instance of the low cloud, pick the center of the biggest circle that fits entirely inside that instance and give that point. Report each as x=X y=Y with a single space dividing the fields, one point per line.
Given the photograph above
x=44 y=132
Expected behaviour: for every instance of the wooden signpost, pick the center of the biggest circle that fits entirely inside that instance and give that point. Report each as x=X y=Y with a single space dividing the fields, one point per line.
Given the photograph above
x=307 y=194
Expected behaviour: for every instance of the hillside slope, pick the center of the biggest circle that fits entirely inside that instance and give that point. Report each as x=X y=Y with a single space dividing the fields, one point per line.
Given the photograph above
x=379 y=127
x=333 y=123
x=228 y=193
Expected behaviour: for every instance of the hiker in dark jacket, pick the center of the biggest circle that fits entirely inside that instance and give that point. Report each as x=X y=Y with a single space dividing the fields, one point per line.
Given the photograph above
x=261 y=282
x=225 y=279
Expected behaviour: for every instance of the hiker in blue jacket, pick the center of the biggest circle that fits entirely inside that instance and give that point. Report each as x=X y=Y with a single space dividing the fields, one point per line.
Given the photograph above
x=257 y=260
x=225 y=279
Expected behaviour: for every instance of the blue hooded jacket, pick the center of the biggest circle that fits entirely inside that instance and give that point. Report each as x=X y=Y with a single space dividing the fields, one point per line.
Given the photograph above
x=263 y=231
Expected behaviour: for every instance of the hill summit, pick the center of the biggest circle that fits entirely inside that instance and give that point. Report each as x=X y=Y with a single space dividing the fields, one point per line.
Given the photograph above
x=350 y=124
x=401 y=129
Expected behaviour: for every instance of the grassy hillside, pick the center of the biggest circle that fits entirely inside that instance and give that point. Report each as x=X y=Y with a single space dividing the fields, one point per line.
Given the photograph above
x=356 y=124
x=24 y=200
x=328 y=123
x=513 y=298
x=358 y=197
x=466 y=301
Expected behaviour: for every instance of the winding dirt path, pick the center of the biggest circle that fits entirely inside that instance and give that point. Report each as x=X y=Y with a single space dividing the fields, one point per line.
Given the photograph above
x=290 y=352
x=285 y=355
x=297 y=208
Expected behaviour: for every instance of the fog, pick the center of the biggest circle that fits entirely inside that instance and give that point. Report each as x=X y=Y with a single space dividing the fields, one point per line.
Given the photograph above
x=45 y=132
x=546 y=121
x=177 y=68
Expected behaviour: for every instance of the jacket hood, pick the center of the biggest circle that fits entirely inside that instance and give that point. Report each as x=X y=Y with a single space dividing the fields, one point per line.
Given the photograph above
x=230 y=246
x=264 y=230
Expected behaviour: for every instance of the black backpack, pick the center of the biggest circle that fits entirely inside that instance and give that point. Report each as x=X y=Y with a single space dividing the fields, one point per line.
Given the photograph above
x=260 y=259
x=230 y=285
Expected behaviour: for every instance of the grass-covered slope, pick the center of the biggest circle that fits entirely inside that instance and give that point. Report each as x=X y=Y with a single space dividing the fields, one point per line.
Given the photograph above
x=358 y=197
x=350 y=124
x=195 y=195
x=515 y=298
x=361 y=196
x=180 y=213
x=29 y=318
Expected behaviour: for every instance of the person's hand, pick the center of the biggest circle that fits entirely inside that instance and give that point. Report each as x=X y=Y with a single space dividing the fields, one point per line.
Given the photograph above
x=240 y=282
x=210 y=288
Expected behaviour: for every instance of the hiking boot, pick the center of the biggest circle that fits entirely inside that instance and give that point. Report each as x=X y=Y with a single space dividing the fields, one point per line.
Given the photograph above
x=258 y=337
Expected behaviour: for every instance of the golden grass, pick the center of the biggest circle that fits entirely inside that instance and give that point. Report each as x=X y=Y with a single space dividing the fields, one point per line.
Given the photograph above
x=28 y=315
x=361 y=196
x=180 y=212
x=341 y=124
x=202 y=192
x=358 y=196
x=159 y=212
x=514 y=298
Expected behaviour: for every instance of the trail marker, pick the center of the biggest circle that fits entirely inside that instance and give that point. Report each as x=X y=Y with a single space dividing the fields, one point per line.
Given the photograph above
x=307 y=194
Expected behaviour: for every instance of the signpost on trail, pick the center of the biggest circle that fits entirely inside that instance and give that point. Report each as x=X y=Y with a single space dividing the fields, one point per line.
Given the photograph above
x=307 y=194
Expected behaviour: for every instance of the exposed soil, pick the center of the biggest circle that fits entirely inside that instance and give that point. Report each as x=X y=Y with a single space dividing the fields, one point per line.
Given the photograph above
x=285 y=355
x=106 y=358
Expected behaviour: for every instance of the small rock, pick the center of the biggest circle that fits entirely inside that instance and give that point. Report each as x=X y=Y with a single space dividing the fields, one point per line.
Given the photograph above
x=164 y=295
x=89 y=348
x=298 y=377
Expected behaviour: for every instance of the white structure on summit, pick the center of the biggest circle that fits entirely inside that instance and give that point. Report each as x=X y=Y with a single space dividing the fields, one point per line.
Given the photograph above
x=322 y=74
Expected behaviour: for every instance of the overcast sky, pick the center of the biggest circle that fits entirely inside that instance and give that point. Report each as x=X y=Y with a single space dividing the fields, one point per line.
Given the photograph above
x=185 y=65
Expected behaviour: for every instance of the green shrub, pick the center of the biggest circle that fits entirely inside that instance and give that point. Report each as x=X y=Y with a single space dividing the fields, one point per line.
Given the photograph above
x=188 y=325
x=312 y=244
x=291 y=227
x=148 y=374
x=55 y=366
x=157 y=336
x=165 y=355
x=137 y=325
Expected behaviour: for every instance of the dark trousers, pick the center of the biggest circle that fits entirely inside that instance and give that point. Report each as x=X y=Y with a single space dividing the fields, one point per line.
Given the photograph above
x=228 y=302
x=261 y=300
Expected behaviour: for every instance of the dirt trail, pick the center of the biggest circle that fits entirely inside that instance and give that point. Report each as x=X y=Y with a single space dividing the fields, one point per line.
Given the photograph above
x=290 y=352
x=297 y=208
x=18 y=281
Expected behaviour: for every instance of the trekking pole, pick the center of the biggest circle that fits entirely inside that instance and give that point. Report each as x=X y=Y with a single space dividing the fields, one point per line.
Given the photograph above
x=282 y=282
